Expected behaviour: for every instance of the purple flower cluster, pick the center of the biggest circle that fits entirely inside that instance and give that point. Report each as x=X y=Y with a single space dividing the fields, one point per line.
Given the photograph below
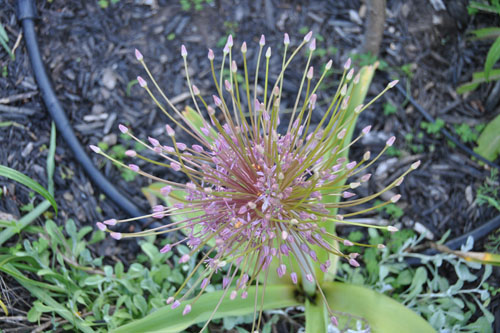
x=256 y=198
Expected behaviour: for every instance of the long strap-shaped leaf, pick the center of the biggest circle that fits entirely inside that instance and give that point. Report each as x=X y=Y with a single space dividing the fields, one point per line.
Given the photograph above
x=383 y=314
x=166 y=320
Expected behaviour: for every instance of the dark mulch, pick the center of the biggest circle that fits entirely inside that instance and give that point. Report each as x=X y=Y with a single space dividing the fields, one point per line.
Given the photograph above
x=88 y=52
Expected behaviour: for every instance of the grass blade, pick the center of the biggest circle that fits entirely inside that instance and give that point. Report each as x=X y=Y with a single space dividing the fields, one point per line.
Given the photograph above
x=27 y=181
x=24 y=221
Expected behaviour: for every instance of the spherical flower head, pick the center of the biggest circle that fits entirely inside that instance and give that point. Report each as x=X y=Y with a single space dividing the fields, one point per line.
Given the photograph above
x=257 y=191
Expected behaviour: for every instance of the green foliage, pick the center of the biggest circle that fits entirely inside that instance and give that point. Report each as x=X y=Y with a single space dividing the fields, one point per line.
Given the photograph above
x=118 y=152
x=468 y=134
x=393 y=210
x=27 y=181
x=93 y=294
x=389 y=109
x=447 y=305
x=4 y=39
x=416 y=148
x=105 y=3
x=489 y=140
x=489 y=192
x=433 y=128
x=187 y=5
x=489 y=74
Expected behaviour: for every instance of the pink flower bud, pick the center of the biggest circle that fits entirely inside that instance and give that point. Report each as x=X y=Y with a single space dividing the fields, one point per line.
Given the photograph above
x=176 y=166
x=307 y=37
x=348 y=242
x=210 y=55
x=123 y=128
x=175 y=304
x=396 y=198
x=166 y=249
x=95 y=149
x=234 y=67
x=380 y=246
x=165 y=191
x=391 y=140
x=170 y=131
x=153 y=141
x=262 y=40
x=293 y=275
x=347 y=64
x=142 y=82
x=131 y=153
x=286 y=39
x=350 y=74
x=366 y=130
x=366 y=177
x=392 y=83
x=134 y=167
x=184 y=52
x=310 y=73
x=138 y=55
x=196 y=91
x=101 y=226
x=329 y=65
x=230 y=41
x=415 y=165
x=204 y=283
x=353 y=262
x=334 y=321
x=116 y=235
x=268 y=52
x=312 y=45
x=392 y=229
x=184 y=258
x=170 y=300
x=111 y=222
x=186 y=310
x=244 y=47
x=227 y=85
x=217 y=100
x=347 y=194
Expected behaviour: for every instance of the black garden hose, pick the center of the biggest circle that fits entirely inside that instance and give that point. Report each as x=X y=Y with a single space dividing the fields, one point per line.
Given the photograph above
x=26 y=14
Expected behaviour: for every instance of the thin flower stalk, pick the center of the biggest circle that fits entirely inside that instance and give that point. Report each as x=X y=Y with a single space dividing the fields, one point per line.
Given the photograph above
x=256 y=195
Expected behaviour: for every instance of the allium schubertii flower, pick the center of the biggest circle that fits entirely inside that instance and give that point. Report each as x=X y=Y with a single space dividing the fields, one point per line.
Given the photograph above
x=257 y=198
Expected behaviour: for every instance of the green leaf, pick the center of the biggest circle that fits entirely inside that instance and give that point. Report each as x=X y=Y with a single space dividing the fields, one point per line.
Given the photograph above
x=50 y=159
x=478 y=78
x=42 y=295
x=7 y=233
x=492 y=57
x=27 y=181
x=358 y=95
x=166 y=320
x=316 y=316
x=197 y=122
x=490 y=32
x=489 y=140
x=382 y=313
